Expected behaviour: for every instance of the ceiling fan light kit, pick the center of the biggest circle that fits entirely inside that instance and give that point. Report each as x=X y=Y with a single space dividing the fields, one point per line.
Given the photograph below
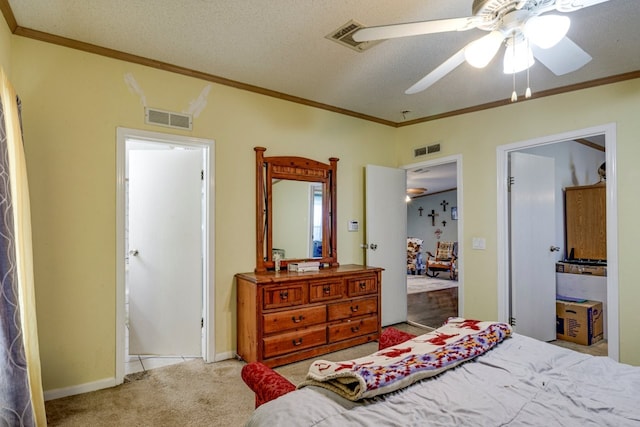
x=480 y=52
x=528 y=34
x=547 y=31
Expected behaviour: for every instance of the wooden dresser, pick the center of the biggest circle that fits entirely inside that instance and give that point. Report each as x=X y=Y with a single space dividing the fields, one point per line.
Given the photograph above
x=287 y=316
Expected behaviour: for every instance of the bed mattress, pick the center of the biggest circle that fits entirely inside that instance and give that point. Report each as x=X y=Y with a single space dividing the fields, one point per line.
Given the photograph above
x=521 y=382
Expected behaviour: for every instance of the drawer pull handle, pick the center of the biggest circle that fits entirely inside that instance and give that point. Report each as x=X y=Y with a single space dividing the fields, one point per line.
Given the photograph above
x=297 y=319
x=355 y=329
x=326 y=289
x=354 y=309
x=363 y=286
x=284 y=294
x=296 y=342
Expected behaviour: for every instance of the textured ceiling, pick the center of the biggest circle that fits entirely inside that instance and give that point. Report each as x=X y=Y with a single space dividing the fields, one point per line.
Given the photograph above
x=280 y=46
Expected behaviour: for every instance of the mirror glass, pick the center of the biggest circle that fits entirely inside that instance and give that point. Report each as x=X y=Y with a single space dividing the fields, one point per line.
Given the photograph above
x=295 y=211
x=297 y=219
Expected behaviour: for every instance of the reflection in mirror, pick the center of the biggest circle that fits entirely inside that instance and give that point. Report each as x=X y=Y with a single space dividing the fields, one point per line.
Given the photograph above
x=295 y=211
x=297 y=229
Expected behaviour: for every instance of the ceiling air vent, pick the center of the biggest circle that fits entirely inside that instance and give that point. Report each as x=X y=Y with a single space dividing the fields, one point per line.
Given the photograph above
x=344 y=36
x=154 y=116
x=423 y=151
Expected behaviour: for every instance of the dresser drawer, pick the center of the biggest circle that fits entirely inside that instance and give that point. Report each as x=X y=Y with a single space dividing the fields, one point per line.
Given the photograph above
x=362 y=286
x=291 y=319
x=294 y=341
x=353 y=328
x=326 y=290
x=355 y=308
x=284 y=296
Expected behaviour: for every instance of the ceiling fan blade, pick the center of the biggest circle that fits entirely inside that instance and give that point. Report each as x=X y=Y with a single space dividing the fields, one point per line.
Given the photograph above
x=571 y=5
x=415 y=28
x=442 y=70
x=565 y=57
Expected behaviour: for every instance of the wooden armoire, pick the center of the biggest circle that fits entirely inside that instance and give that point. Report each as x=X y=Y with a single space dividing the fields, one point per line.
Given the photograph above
x=586 y=222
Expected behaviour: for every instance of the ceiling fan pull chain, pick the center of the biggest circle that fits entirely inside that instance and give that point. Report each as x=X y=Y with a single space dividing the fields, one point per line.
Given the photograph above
x=527 y=93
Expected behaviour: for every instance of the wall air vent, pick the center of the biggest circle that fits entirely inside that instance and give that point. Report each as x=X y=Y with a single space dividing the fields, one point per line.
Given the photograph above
x=433 y=148
x=154 y=116
x=423 y=151
x=344 y=36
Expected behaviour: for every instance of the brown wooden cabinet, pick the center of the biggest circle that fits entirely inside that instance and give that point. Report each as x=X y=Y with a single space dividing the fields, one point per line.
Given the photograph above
x=586 y=221
x=288 y=316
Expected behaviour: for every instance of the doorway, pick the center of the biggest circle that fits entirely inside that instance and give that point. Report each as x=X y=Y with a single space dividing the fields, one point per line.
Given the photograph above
x=539 y=145
x=155 y=279
x=434 y=214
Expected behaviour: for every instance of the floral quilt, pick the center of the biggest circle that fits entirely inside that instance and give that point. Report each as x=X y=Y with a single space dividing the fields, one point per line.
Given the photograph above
x=396 y=367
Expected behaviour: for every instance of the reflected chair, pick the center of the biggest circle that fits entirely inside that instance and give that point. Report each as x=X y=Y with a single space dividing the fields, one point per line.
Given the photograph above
x=445 y=259
x=414 y=257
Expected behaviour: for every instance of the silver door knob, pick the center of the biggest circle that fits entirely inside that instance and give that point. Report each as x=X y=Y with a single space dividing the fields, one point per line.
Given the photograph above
x=554 y=249
x=133 y=252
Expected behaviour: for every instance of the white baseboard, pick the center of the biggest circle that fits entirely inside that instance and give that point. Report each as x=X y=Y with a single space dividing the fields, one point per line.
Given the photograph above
x=224 y=356
x=108 y=382
x=79 y=389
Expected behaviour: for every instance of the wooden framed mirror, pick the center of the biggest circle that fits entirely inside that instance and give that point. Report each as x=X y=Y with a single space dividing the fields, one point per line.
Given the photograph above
x=295 y=210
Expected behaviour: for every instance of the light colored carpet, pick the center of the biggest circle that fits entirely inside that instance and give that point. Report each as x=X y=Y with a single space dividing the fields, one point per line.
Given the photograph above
x=601 y=348
x=416 y=284
x=192 y=393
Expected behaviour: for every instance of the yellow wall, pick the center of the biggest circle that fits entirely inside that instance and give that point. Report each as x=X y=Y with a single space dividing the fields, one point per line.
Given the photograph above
x=476 y=137
x=5 y=48
x=73 y=102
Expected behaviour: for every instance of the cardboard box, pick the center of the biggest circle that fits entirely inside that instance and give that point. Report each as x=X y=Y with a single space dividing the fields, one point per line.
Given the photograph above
x=579 y=322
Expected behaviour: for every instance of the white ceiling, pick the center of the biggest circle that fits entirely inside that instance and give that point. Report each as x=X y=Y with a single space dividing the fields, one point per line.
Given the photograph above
x=434 y=179
x=280 y=46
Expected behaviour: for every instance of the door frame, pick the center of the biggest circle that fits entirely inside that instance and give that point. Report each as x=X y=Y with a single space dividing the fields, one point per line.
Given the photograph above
x=208 y=253
x=457 y=159
x=503 y=248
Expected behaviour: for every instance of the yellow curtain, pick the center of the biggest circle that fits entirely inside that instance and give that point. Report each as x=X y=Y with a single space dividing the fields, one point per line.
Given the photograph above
x=24 y=258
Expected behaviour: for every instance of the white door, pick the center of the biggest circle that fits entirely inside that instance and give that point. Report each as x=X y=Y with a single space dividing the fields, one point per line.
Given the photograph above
x=386 y=225
x=165 y=252
x=533 y=253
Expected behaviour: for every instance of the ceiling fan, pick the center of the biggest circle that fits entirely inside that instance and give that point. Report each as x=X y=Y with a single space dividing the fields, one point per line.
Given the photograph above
x=518 y=24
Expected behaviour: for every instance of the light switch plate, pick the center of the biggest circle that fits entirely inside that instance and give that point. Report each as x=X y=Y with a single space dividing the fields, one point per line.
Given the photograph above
x=353 y=225
x=478 y=243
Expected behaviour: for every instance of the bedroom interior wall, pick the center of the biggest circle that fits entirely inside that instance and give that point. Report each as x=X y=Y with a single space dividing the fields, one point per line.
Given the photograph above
x=73 y=102
x=477 y=135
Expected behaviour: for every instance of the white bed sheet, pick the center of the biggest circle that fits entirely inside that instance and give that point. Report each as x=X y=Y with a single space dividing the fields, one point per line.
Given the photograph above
x=521 y=382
